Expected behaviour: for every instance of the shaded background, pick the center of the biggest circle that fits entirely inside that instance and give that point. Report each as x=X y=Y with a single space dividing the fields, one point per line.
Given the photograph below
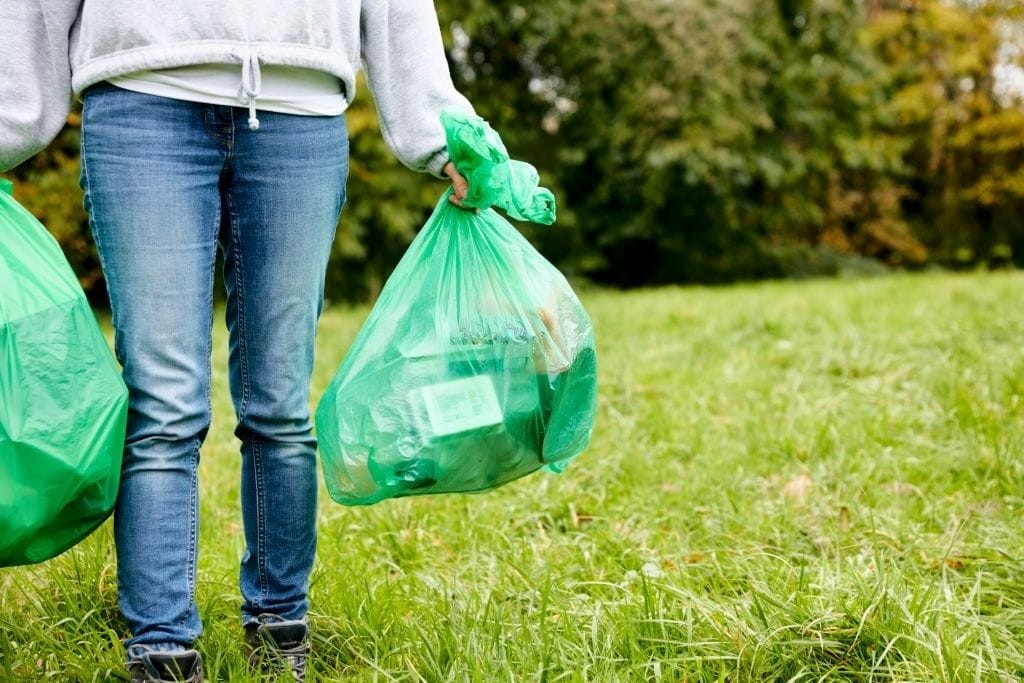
x=700 y=141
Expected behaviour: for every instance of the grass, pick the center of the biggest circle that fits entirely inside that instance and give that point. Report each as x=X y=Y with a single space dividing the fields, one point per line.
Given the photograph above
x=787 y=482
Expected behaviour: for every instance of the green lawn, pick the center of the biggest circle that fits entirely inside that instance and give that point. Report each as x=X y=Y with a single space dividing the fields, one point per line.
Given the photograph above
x=788 y=481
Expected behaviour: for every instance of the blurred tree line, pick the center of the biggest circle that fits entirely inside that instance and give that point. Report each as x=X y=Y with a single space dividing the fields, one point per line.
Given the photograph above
x=700 y=140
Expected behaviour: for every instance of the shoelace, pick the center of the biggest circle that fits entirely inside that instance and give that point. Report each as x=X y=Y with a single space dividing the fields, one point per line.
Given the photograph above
x=272 y=655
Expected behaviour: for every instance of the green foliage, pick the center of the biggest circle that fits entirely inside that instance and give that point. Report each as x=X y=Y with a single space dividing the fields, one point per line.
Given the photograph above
x=963 y=149
x=691 y=140
x=695 y=141
x=386 y=204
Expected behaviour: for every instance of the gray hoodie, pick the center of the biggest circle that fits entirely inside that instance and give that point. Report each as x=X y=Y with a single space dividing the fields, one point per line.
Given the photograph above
x=53 y=47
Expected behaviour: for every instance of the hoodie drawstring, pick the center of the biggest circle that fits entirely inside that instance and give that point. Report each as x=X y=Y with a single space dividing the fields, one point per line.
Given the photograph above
x=249 y=90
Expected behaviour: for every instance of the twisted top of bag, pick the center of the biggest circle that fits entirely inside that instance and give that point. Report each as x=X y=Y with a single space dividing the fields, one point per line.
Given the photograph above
x=494 y=179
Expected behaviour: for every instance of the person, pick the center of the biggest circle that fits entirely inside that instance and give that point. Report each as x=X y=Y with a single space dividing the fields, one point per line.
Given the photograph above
x=204 y=125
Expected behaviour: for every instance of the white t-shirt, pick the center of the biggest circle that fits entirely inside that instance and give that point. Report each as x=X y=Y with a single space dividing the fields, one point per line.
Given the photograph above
x=284 y=89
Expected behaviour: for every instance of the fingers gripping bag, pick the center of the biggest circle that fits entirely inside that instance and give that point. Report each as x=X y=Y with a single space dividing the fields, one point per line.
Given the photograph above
x=63 y=404
x=477 y=364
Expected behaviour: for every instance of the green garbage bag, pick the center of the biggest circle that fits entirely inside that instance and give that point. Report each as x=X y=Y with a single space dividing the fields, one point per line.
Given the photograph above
x=63 y=404
x=477 y=365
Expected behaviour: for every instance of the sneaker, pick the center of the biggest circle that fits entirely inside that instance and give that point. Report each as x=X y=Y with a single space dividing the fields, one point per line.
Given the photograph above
x=278 y=646
x=184 y=666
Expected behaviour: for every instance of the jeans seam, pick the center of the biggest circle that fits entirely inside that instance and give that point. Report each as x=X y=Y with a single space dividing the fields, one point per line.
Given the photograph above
x=261 y=519
x=243 y=404
x=209 y=341
x=194 y=495
x=193 y=535
x=87 y=205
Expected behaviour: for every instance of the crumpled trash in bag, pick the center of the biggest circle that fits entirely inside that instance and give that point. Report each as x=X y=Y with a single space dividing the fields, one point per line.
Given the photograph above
x=63 y=404
x=477 y=365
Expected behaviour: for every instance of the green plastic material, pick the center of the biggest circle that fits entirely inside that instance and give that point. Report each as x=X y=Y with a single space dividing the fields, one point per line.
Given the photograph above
x=63 y=404
x=477 y=365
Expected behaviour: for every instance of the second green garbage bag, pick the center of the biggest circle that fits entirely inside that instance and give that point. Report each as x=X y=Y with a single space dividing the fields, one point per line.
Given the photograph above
x=63 y=404
x=477 y=365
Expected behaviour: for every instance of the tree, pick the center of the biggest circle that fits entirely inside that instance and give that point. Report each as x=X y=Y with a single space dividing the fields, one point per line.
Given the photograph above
x=963 y=147
x=689 y=139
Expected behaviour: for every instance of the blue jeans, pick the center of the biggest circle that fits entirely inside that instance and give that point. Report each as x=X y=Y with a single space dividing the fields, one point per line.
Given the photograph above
x=166 y=182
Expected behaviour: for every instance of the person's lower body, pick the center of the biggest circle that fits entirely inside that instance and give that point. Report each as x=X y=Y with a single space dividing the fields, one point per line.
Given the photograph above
x=166 y=182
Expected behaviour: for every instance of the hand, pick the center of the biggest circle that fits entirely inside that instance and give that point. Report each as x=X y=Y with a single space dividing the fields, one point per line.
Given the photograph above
x=460 y=185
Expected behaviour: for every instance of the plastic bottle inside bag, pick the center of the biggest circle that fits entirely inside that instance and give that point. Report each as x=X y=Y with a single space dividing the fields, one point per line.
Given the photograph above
x=474 y=409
